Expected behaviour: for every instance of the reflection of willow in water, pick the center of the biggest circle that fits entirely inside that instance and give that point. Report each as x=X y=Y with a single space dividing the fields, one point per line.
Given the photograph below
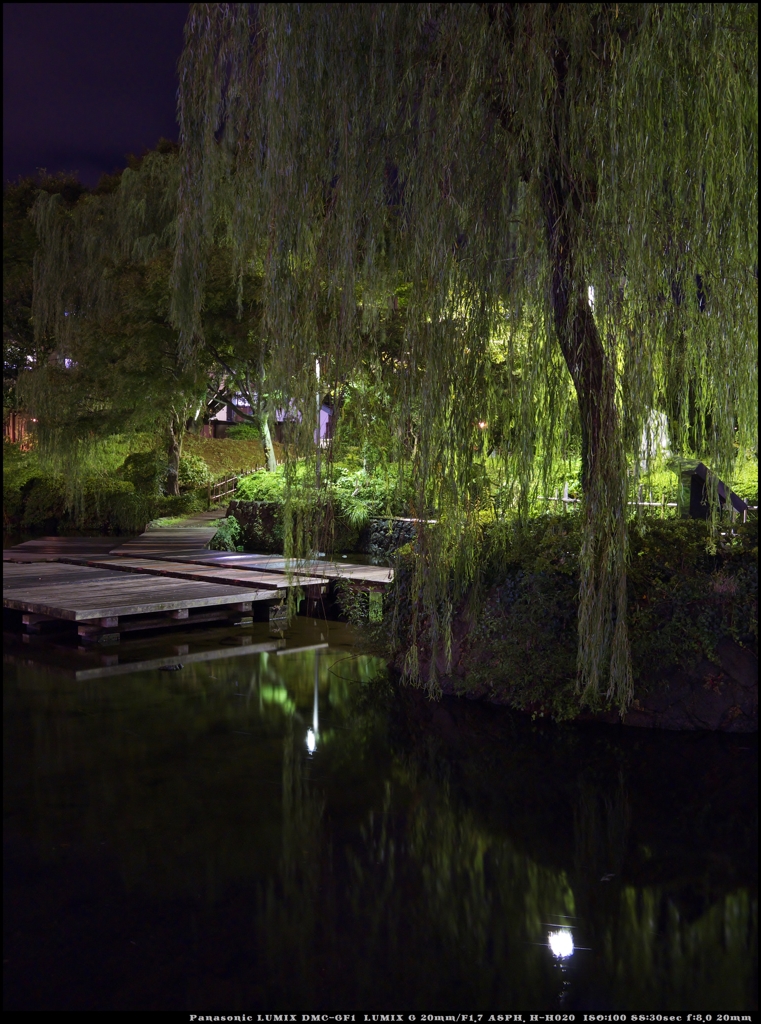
x=488 y=904
x=422 y=903
x=426 y=897
x=662 y=946
x=431 y=868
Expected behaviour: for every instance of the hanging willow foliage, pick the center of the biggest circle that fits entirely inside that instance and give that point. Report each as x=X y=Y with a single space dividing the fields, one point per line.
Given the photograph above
x=491 y=163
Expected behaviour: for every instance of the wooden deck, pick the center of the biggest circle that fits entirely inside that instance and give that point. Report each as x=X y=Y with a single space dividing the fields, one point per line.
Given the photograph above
x=106 y=586
x=206 y=574
x=99 y=600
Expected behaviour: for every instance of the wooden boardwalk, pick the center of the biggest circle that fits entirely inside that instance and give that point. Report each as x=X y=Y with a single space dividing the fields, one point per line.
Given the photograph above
x=49 y=549
x=203 y=573
x=165 y=575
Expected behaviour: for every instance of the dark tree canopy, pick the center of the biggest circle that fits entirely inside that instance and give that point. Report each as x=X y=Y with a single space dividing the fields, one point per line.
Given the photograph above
x=102 y=290
x=20 y=349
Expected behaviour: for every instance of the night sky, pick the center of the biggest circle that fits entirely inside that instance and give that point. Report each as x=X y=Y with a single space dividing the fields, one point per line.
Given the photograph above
x=86 y=84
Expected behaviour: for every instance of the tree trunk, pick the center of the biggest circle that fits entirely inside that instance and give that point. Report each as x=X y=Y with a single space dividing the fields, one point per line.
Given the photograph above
x=577 y=332
x=174 y=451
x=269 y=450
x=603 y=638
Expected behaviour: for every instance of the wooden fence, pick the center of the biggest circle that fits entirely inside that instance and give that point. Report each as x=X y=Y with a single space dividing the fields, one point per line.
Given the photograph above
x=224 y=489
x=662 y=504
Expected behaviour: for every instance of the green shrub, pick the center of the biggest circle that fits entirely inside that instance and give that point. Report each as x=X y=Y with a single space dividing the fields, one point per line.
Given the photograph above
x=13 y=506
x=227 y=537
x=354 y=495
x=262 y=486
x=261 y=524
x=359 y=496
x=43 y=500
x=110 y=506
x=179 y=505
x=145 y=471
x=244 y=432
x=19 y=466
x=193 y=472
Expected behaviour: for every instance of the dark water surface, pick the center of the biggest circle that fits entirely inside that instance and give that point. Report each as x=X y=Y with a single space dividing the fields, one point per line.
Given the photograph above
x=207 y=839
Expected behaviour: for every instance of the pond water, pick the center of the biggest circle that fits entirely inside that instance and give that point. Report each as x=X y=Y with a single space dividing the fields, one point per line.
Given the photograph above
x=286 y=831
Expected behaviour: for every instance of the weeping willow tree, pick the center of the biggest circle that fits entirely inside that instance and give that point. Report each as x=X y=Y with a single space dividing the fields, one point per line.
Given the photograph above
x=578 y=181
x=101 y=291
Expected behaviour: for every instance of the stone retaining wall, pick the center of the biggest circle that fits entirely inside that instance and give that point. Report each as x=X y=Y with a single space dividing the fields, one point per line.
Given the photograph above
x=383 y=536
x=261 y=524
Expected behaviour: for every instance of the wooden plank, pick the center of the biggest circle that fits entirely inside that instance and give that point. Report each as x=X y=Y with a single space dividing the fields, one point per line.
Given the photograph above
x=209 y=574
x=61 y=546
x=41 y=575
x=223 y=560
x=336 y=570
x=107 y=593
x=168 y=541
x=278 y=564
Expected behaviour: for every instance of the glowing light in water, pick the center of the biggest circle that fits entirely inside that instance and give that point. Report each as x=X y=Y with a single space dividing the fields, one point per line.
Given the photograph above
x=561 y=943
x=311 y=741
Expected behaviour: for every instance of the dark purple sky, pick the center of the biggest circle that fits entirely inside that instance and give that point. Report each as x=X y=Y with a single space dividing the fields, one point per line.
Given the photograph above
x=86 y=84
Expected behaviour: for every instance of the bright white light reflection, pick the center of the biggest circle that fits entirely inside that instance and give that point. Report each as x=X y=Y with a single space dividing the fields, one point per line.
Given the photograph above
x=311 y=741
x=591 y=297
x=561 y=943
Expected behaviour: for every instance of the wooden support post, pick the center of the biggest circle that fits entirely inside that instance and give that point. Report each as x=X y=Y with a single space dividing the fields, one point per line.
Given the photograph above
x=260 y=611
x=239 y=614
x=34 y=623
x=97 y=634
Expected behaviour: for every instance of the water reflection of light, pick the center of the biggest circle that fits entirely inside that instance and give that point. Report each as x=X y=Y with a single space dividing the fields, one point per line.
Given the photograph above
x=561 y=943
x=311 y=741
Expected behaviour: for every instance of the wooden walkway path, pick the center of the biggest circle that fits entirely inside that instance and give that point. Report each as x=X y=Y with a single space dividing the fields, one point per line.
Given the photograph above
x=165 y=575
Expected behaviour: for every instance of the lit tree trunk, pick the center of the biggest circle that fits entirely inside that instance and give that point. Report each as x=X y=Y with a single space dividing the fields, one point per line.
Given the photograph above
x=584 y=355
x=603 y=638
x=269 y=450
x=174 y=451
